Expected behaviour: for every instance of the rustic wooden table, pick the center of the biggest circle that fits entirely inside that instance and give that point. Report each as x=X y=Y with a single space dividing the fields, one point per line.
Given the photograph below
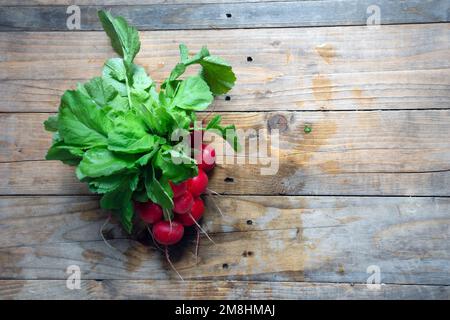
x=366 y=191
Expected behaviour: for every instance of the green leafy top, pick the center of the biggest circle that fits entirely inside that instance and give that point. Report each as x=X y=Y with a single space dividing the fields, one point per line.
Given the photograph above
x=117 y=128
x=124 y=38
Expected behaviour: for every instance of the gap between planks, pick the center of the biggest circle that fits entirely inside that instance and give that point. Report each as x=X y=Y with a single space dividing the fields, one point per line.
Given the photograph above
x=235 y=28
x=143 y=289
x=264 y=111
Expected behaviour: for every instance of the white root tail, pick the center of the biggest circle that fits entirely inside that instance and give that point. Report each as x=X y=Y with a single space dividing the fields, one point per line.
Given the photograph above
x=197 y=245
x=198 y=226
x=170 y=262
x=211 y=192
x=153 y=238
x=103 y=237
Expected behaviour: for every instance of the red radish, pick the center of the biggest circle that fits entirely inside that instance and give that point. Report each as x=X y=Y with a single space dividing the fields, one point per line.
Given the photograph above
x=168 y=233
x=183 y=203
x=196 y=139
x=178 y=189
x=206 y=160
x=149 y=211
x=197 y=208
x=196 y=212
x=184 y=219
x=197 y=185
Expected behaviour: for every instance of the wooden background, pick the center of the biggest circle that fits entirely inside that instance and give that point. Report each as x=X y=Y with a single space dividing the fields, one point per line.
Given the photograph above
x=370 y=185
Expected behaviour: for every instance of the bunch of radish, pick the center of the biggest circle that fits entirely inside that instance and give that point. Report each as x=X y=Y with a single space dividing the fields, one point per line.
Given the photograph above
x=188 y=206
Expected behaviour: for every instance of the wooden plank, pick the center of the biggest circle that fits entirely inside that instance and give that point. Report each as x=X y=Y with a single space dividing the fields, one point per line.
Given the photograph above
x=347 y=153
x=214 y=290
x=118 y=2
x=392 y=90
x=54 y=219
x=324 y=239
x=322 y=69
x=230 y=15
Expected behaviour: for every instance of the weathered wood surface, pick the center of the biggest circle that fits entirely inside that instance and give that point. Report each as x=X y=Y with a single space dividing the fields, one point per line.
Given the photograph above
x=267 y=246
x=119 y=2
x=351 y=68
x=216 y=290
x=347 y=153
x=314 y=239
x=230 y=15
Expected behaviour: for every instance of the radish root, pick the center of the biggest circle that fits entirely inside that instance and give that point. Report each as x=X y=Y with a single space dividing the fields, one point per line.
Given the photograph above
x=197 y=245
x=199 y=227
x=170 y=262
x=103 y=237
x=211 y=192
x=153 y=238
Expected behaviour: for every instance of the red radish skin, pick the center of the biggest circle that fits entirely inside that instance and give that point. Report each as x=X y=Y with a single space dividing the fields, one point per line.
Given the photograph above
x=168 y=233
x=196 y=140
x=197 y=210
x=206 y=160
x=183 y=203
x=178 y=189
x=149 y=211
x=197 y=185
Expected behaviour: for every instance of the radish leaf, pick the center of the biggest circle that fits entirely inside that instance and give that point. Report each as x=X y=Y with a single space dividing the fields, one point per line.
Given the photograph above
x=99 y=162
x=100 y=91
x=120 y=131
x=192 y=94
x=124 y=38
x=81 y=122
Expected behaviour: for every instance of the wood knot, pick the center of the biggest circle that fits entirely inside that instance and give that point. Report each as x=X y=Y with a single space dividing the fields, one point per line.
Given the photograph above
x=279 y=122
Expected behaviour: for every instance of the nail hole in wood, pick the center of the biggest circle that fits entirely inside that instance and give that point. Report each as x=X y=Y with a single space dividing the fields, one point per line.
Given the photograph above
x=247 y=253
x=228 y=15
x=249 y=59
x=249 y=222
x=227 y=98
x=228 y=179
x=225 y=266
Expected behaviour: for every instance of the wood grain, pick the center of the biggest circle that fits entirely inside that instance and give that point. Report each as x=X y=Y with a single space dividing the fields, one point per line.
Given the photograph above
x=324 y=239
x=386 y=132
x=347 y=153
x=214 y=290
x=118 y=2
x=229 y=15
x=322 y=69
